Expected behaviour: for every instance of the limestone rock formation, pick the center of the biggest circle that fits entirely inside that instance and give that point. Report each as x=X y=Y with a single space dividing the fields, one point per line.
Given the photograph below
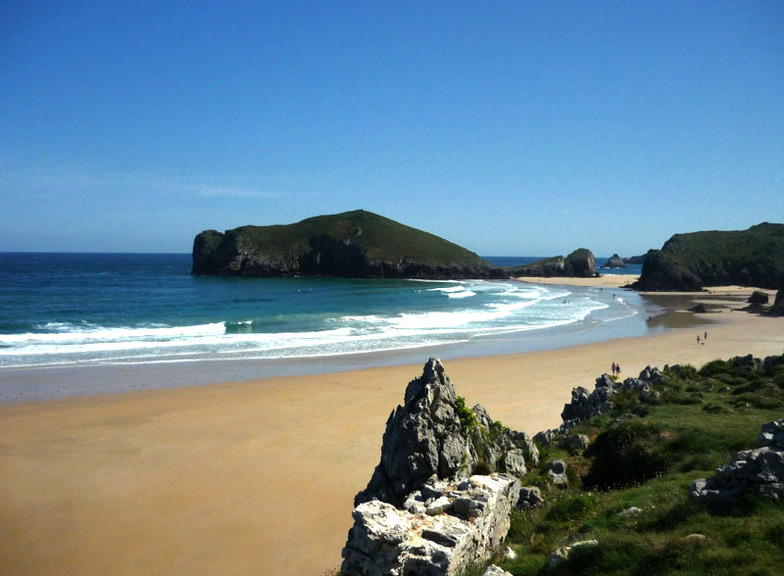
x=585 y=405
x=530 y=498
x=434 y=434
x=563 y=552
x=759 y=471
x=494 y=570
x=468 y=528
x=615 y=262
x=556 y=473
x=426 y=510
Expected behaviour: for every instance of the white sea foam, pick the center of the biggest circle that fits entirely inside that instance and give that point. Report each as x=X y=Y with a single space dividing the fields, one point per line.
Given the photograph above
x=471 y=309
x=75 y=334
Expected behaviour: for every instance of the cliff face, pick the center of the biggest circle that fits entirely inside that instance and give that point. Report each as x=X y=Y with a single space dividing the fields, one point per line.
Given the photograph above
x=355 y=244
x=689 y=262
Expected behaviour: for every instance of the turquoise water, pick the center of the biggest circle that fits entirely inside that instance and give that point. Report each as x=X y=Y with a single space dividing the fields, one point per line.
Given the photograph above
x=128 y=309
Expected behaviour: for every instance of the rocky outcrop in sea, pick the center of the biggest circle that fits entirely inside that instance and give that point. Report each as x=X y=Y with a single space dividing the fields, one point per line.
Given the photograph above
x=580 y=263
x=441 y=494
x=615 y=262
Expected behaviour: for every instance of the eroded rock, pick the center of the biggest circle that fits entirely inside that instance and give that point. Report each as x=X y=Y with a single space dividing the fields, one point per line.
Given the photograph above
x=758 y=471
x=586 y=404
x=425 y=437
x=424 y=510
x=386 y=540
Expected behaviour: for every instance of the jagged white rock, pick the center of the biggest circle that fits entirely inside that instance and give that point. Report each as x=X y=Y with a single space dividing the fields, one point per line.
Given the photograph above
x=563 y=552
x=494 y=570
x=388 y=541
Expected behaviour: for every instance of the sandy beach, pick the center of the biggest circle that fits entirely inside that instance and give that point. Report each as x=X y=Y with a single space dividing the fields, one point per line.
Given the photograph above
x=604 y=280
x=258 y=477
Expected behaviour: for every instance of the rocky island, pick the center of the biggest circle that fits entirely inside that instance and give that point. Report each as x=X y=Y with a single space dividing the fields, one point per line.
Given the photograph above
x=356 y=244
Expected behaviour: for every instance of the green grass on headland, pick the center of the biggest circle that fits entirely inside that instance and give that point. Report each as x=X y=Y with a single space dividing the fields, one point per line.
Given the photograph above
x=753 y=257
x=645 y=456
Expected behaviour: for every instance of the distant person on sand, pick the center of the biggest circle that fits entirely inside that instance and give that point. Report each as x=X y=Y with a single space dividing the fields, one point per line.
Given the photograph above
x=613 y=368
x=698 y=338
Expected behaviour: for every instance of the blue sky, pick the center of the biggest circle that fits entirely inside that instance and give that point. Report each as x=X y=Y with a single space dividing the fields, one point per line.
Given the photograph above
x=512 y=128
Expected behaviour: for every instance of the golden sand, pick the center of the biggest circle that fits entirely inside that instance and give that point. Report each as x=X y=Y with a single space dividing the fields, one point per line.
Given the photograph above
x=259 y=477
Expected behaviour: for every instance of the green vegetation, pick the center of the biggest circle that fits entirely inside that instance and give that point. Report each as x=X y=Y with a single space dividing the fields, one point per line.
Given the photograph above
x=381 y=238
x=352 y=243
x=753 y=257
x=465 y=414
x=648 y=462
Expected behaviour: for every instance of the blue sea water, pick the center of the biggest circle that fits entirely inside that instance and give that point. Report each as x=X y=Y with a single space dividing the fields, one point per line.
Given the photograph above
x=130 y=309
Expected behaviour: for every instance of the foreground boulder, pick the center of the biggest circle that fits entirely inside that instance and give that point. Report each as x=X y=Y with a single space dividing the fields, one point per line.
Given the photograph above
x=434 y=434
x=468 y=526
x=442 y=492
x=757 y=471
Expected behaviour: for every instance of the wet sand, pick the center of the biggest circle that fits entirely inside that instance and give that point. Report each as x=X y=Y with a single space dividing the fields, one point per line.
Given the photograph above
x=258 y=477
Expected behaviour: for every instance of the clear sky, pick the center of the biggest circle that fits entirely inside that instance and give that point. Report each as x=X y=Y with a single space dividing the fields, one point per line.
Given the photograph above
x=511 y=128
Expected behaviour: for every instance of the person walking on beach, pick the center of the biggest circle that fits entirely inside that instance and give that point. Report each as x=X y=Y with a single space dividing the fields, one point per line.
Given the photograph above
x=613 y=368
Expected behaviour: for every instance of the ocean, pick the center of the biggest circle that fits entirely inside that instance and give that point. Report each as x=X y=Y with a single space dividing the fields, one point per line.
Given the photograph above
x=71 y=310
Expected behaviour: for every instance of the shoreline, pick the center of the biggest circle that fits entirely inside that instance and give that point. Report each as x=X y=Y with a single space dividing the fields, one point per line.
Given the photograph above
x=47 y=382
x=259 y=476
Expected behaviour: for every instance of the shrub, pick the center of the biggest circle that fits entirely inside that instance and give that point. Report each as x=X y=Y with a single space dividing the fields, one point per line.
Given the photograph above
x=628 y=453
x=466 y=415
x=715 y=367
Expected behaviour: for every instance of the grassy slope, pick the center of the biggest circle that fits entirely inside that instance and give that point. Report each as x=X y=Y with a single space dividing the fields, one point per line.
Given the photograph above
x=381 y=238
x=764 y=241
x=759 y=250
x=701 y=419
